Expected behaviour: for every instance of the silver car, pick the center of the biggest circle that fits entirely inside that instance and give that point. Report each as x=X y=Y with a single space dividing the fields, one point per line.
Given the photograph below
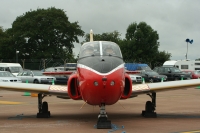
x=135 y=78
x=6 y=76
x=35 y=76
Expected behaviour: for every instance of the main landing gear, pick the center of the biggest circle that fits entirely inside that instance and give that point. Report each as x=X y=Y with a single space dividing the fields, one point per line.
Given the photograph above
x=150 y=107
x=103 y=122
x=42 y=107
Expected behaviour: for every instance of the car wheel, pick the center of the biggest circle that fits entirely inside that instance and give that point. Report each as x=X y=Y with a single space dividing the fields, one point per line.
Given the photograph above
x=151 y=80
x=36 y=81
x=176 y=78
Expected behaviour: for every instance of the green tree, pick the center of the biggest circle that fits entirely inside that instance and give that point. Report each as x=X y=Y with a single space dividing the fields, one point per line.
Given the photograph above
x=44 y=33
x=141 y=44
x=161 y=57
x=6 y=46
x=108 y=36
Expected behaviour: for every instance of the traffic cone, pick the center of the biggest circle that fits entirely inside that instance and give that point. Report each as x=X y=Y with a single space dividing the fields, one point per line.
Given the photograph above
x=27 y=93
x=53 y=82
x=198 y=87
x=143 y=82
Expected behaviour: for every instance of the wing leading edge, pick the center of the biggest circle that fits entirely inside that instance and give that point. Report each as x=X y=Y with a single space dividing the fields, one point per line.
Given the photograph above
x=36 y=88
x=164 y=86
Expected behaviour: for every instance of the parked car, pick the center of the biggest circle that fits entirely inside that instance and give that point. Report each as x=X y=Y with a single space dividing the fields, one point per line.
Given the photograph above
x=135 y=78
x=172 y=73
x=6 y=76
x=35 y=76
x=152 y=76
x=194 y=74
x=60 y=79
x=54 y=69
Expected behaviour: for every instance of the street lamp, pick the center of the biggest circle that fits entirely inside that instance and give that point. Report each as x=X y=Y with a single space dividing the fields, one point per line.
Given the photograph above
x=17 y=52
x=190 y=41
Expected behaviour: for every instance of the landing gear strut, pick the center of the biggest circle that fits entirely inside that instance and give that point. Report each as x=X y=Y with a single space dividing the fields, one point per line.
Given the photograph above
x=150 y=107
x=103 y=122
x=42 y=107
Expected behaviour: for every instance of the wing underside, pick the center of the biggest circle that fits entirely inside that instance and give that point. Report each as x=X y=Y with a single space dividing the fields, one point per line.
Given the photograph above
x=35 y=88
x=164 y=86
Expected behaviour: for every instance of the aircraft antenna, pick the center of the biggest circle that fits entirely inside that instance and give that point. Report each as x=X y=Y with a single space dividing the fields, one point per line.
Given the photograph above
x=83 y=105
x=91 y=35
x=121 y=105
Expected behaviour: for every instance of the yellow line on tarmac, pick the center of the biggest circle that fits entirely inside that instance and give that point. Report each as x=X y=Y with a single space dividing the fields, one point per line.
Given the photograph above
x=197 y=131
x=10 y=102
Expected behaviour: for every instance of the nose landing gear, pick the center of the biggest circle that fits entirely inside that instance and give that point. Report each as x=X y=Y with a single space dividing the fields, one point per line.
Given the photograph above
x=103 y=122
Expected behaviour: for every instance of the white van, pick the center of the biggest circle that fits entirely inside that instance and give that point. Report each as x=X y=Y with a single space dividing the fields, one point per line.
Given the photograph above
x=184 y=64
x=14 y=68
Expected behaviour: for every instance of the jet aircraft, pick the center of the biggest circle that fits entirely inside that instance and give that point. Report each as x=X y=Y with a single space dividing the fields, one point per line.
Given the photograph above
x=100 y=80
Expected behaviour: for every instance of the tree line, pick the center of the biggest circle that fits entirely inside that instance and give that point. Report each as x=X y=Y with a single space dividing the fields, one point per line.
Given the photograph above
x=47 y=33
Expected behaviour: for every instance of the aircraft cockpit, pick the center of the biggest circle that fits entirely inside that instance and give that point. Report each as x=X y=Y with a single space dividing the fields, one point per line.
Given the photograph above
x=100 y=48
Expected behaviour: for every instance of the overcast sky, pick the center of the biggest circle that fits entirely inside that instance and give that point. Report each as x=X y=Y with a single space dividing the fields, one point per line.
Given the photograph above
x=174 y=20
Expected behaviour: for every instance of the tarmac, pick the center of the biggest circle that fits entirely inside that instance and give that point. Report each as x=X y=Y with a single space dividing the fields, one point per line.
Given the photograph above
x=177 y=112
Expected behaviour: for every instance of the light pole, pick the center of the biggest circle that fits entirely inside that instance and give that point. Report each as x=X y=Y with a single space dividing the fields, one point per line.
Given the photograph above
x=17 y=52
x=187 y=50
x=190 y=41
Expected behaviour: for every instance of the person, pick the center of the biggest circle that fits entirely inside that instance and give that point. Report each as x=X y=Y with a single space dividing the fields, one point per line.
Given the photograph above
x=109 y=51
x=88 y=50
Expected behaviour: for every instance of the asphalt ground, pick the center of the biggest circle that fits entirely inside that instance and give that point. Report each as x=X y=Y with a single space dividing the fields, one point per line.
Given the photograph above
x=178 y=112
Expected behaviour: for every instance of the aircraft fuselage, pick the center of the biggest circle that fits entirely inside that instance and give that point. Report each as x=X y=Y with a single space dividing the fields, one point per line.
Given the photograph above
x=101 y=79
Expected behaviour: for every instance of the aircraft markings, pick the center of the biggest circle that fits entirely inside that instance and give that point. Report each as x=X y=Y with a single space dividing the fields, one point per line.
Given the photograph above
x=9 y=102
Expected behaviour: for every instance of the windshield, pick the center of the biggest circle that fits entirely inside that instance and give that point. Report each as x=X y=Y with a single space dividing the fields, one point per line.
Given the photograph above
x=89 y=49
x=15 y=69
x=110 y=48
x=6 y=74
x=197 y=72
x=175 y=70
x=145 y=68
x=152 y=73
x=100 y=48
x=37 y=73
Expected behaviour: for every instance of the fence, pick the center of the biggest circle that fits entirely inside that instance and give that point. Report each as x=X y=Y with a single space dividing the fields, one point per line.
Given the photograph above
x=38 y=64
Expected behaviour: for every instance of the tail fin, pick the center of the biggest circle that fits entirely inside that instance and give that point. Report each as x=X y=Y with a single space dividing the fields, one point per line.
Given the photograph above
x=91 y=35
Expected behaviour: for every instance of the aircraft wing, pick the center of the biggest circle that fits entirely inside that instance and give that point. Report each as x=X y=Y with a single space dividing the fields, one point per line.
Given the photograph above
x=35 y=88
x=163 y=86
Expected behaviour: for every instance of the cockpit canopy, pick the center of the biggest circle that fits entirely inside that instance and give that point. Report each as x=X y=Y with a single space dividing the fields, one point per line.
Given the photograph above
x=100 y=48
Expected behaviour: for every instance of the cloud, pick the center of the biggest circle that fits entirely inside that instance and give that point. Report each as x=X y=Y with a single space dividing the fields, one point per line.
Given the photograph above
x=174 y=20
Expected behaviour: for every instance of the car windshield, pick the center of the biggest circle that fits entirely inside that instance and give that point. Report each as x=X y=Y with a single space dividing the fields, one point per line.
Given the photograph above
x=152 y=73
x=15 y=69
x=175 y=70
x=197 y=72
x=145 y=68
x=187 y=72
x=37 y=73
x=6 y=74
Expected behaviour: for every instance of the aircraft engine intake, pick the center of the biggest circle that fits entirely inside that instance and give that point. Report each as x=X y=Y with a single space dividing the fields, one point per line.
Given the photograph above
x=73 y=89
x=127 y=88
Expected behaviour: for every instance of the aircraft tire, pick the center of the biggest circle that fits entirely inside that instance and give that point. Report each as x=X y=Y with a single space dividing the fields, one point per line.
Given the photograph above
x=45 y=107
x=149 y=107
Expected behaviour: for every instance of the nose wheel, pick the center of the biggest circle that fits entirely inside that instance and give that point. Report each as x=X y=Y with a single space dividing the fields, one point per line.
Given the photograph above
x=103 y=122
